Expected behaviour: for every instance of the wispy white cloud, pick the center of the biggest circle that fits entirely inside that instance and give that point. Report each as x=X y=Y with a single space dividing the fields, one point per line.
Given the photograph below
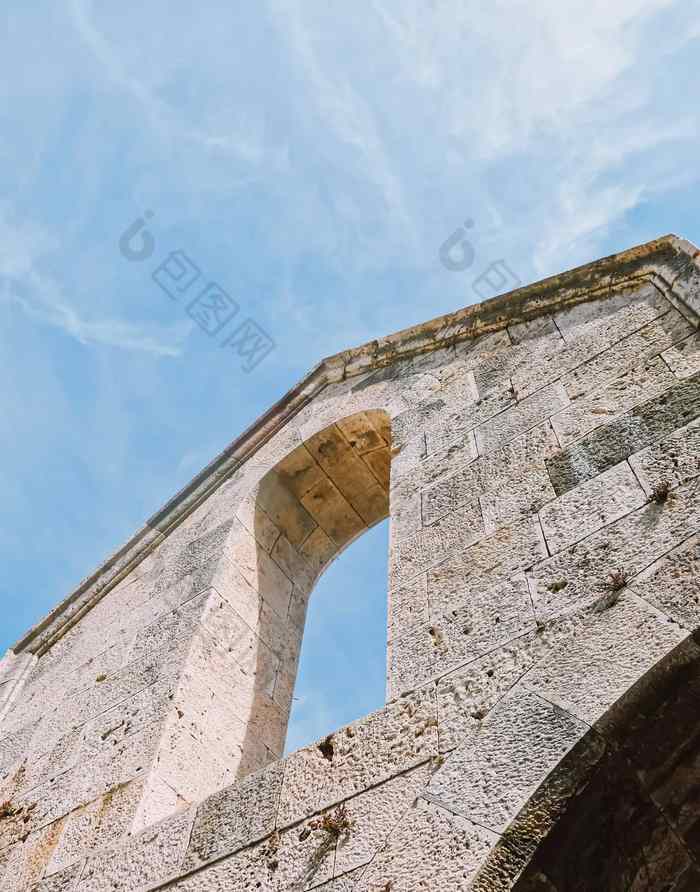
x=23 y=246
x=41 y=302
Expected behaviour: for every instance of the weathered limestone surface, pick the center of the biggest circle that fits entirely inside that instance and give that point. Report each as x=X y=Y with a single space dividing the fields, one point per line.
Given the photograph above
x=539 y=459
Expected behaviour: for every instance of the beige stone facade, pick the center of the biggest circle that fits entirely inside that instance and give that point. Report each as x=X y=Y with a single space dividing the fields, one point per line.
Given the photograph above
x=538 y=456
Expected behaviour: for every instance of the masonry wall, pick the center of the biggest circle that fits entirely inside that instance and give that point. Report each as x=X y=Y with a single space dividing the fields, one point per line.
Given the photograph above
x=542 y=485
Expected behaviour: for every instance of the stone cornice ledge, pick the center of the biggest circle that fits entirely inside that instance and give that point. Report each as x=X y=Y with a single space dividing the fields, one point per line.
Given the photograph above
x=671 y=263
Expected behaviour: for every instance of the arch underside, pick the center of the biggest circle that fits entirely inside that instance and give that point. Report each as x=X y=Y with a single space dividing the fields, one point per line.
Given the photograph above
x=621 y=812
x=331 y=488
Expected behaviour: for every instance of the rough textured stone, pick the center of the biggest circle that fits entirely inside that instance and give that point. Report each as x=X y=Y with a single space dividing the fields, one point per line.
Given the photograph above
x=374 y=816
x=387 y=742
x=466 y=695
x=672 y=461
x=533 y=410
x=64 y=881
x=641 y=345
x=408 y=606
x=518 y=744
x=490 y=618
x=235 y=816
x=671 y=584
x=452 y=533
x=684 y=358
x=580 y=575
x=485 y=565
x=507 y=481
x=615 y=441
x=453 y=422
x=614 y=315
x=612 y=650
x=98 y=825
x=430 y=848
x=615 y=398
x=153 y=855
x=590 y=506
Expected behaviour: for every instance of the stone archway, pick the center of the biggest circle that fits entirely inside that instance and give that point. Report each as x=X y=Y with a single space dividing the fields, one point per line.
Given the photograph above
x=622 y=810
x=307 y=509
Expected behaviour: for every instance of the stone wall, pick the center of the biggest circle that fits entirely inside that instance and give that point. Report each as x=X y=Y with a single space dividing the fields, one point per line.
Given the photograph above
x=538 y=457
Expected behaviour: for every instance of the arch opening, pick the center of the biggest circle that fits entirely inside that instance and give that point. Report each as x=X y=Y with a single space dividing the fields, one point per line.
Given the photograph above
x=342 y=665
x=308 y=509
x=624 y=804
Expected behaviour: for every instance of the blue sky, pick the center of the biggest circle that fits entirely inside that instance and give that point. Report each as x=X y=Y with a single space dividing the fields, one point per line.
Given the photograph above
x=311 y=158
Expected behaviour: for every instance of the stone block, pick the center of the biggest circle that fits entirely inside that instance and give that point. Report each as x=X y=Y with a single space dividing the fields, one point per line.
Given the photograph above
x=235 y=816
x=628 y=390
x=491 y=617
x=374 y=816
x=590 y=506
x=616 y=440
x=610 y=651
x=684 y=358
x=260 y=571
x=400 y=736
x=113 y=728
x=97 y=825
x=432 y=848
x=172 y=625
x=405 y=519
x=466 y=695
x=318 y=549
x=522 y=417
x=673 y=461
x=486 y=564
x=407 y=456
x=408 y=606
x=243 y=871
x=332 y=512
x=598 y=355
x=511 y=480
x=443 y=462
x=451 y=534
x=27 y=860
x=193 y=556
x=456 y=420
x=602 y=367
x=258 y=523
x=65 y=881
x=406 y=425
x=349 y=473
x=491 y=777
x=611 y=317
x=578 y=576
x=284 y=508
x=672 y=584
x=86 y=781
x=364 y=432
x=155 y=854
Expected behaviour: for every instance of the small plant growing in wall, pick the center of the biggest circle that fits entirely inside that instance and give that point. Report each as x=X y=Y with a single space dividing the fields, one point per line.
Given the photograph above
x=617 y=580
x=271 y=850
x=333 y=825
x=660 y=492
x=7 y=810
